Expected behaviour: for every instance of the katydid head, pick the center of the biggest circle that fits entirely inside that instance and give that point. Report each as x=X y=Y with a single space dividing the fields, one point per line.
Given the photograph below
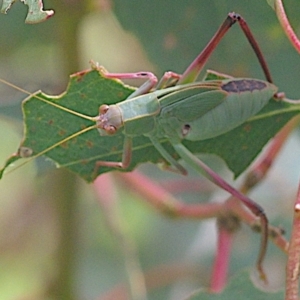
x=109 y=119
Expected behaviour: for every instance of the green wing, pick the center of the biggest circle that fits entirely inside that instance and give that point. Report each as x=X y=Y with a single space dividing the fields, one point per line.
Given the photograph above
x=193 y=103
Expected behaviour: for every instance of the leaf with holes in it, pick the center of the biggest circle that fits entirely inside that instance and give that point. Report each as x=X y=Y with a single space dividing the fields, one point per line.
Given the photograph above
x=35 y=14
x=73 y=142
x=47 y=126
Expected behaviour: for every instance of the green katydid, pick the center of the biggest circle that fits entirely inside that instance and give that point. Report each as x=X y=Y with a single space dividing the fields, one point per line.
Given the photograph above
x=178 y=109
x=194 y=111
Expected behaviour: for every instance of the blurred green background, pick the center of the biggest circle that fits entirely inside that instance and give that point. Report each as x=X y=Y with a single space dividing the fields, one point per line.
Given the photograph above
x=54 y=239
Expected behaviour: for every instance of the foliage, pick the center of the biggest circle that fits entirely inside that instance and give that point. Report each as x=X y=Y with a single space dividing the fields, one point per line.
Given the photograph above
x=39 y=226
x=35 y=14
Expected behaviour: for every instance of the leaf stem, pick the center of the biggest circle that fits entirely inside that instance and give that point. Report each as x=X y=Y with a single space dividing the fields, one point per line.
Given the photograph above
x=226 y=233
x=285 y=24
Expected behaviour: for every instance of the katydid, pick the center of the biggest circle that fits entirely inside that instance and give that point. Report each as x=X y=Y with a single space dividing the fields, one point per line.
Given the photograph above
x=176 y=108
x=192 y=111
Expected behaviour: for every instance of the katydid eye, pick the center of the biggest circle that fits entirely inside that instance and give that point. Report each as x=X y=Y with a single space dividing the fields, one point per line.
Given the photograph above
x=103 y=109
x=110 y=129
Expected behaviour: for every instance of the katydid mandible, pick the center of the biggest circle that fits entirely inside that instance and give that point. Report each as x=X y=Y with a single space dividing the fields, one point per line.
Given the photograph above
x=178 y=109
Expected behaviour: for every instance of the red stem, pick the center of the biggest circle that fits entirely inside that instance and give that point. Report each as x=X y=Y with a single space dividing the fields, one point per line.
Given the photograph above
x=164 y=201
x=285 y=24
x=261 y=168
x=222 y=259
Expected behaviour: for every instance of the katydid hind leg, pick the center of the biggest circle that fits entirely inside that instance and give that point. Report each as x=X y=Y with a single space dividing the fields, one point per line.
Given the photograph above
x=192 y=72
x=202 y=168
x=250 y=37
x=197 y=65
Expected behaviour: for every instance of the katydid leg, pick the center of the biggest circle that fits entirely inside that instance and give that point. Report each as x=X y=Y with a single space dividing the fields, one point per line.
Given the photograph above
x=196 y=66
x=126 y=157
x=175 y=166
x=144 y=88
x=254 y=45
x=168 y=79
x=202 y=168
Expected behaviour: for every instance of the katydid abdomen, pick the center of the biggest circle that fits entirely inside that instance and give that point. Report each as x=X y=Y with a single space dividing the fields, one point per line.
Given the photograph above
x=215 y=111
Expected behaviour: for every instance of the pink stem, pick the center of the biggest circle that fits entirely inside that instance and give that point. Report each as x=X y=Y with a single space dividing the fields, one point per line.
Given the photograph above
x=221 y=263
x=285 y=24
x=261 y=168
x=164 y=201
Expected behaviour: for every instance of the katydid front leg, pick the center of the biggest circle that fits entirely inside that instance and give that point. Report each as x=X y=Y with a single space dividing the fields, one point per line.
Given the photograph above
x=126 y=158
x=168 y=79
x=143 y=89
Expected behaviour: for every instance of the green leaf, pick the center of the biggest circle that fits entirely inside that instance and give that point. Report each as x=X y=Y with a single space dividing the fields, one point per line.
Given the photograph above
x=240 y=287
x=58 y=134
x=35 y=14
